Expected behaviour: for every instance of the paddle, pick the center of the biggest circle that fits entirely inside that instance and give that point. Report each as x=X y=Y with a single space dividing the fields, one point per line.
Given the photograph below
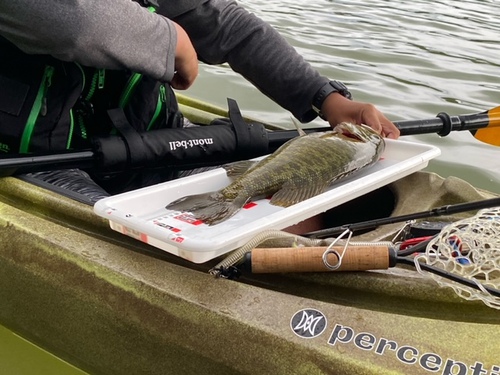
x=485 y=126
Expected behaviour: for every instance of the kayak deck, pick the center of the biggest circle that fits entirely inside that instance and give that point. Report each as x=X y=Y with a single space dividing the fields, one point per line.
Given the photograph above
x=110 y=304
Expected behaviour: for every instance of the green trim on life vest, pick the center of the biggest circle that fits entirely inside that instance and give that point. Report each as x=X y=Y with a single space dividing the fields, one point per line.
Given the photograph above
x=71 y=129
x=36 y=109
x=159 y=107
x=129 y=89
x=97 y=82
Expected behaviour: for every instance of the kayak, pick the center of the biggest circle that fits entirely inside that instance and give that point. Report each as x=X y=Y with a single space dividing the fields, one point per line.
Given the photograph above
x=110 y=304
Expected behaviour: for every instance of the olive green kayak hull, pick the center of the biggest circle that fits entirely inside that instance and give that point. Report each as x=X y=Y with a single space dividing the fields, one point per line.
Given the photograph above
x=112 y=305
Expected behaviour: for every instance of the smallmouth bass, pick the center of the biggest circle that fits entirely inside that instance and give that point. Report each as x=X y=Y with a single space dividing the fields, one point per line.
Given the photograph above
x=300 y=169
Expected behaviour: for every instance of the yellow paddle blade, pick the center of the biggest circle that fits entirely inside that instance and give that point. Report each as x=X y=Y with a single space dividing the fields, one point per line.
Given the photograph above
x=491 y=134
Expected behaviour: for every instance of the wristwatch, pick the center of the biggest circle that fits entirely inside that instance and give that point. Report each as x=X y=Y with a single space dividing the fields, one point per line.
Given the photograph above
x=327 y=89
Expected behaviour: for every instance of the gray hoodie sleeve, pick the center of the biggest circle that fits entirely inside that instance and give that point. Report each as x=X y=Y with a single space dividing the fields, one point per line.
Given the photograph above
x=115 y=34
x=222 y=31
x=120 y=34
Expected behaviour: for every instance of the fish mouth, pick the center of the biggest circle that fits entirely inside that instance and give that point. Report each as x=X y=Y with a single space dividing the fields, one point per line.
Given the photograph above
x=347 y=134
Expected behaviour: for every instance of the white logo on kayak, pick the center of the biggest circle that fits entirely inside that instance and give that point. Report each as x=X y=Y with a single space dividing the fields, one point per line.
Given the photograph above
x=189 y=143
x=308 y=323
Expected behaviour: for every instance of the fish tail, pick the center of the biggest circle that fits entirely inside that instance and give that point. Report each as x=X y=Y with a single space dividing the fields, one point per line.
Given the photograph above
x=211 y=208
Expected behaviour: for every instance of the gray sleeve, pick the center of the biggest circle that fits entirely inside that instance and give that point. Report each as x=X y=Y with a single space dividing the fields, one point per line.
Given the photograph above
x=117 y=34
x=222 y=31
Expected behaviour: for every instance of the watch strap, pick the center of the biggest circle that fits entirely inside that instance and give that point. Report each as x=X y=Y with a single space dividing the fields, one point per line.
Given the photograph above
x=327 y=89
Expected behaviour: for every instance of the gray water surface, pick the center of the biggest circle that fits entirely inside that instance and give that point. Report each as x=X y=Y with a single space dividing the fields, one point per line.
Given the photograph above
x=412 y=59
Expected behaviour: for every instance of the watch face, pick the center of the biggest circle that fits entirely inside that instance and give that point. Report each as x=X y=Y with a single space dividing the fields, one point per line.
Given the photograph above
x=341 y=89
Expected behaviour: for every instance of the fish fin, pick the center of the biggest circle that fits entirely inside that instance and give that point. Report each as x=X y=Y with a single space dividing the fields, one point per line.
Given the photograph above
x=297 y=126
x=238 y=168
x=212 y=208
x=291 y=194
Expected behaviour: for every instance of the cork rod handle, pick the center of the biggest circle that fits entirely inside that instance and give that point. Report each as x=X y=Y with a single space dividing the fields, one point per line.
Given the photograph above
x=310 y=259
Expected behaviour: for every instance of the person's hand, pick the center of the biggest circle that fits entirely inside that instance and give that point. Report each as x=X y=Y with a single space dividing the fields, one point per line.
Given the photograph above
x=186 y=61
x=337 y=109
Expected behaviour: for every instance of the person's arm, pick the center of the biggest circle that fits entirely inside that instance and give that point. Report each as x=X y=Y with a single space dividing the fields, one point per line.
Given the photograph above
x=223 y=31
x=117 y=34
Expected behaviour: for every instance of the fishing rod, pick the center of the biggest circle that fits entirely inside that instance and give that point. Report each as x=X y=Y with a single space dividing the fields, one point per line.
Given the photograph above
x=188 y=148
x=438 y=211
x=348 y=258
x=463 y=256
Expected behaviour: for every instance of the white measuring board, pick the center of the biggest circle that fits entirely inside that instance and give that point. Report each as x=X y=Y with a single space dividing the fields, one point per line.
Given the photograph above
x=141 y=213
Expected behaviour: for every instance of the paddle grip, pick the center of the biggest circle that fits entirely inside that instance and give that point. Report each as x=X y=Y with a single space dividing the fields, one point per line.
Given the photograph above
x=310 y=259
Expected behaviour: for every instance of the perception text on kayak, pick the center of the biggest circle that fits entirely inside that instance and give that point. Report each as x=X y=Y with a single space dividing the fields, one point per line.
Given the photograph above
x=189 y=143
x=406 y=354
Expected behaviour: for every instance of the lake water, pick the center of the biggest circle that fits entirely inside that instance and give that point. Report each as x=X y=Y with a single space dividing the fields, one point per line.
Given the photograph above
x=411 y=58
x=20 y=357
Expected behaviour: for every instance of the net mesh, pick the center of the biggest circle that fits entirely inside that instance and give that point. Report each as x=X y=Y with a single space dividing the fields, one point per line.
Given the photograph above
x=469 y=248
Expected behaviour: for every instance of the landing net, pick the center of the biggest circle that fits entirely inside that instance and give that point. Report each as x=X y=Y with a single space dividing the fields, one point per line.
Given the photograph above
x=469 y=248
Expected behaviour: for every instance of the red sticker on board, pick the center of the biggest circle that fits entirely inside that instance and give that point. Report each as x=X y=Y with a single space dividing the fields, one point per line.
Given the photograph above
x=249 y=205
x=189 y=219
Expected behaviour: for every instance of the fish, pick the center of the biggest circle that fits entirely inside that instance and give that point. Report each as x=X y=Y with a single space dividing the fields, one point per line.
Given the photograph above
x=300 y=169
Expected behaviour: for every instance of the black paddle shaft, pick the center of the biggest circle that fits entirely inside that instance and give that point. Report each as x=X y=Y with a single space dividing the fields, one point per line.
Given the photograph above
x=182 y=148
x=442 y=124
x=102 y=159
x=13 y=164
